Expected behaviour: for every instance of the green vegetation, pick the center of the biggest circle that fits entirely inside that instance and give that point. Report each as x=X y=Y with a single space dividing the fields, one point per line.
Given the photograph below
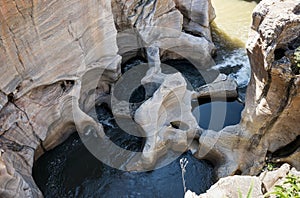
x=295 y=59
x=271 y=166
x=289 y=189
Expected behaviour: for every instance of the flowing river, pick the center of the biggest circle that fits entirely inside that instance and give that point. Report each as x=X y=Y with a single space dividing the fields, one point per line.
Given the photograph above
x=70 y=170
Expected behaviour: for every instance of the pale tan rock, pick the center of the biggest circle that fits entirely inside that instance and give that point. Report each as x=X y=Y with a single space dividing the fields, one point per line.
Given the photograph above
x=277 y=177
x=166 y=120
x=233 y=186
x=270 y=178
x=197 y=16
x=227 y=150
x=221 y=88
x=272 y=106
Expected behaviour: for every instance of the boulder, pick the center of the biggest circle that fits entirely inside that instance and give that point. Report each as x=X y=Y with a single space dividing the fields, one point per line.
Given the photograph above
x=240 y=186
x=222 y=88
x=235 y=187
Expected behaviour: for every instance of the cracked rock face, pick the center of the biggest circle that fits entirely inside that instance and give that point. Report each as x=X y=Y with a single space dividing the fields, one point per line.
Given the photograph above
x=272 y=109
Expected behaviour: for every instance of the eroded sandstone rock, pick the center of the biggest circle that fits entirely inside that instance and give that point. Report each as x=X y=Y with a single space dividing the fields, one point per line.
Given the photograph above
x=47 y=50
x=272 y=104
x=223 y=87
x=197 y=16
x=166 y=120
x=159 y=23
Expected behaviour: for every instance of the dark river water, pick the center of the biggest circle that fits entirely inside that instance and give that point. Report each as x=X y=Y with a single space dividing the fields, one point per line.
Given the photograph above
x=70 y=170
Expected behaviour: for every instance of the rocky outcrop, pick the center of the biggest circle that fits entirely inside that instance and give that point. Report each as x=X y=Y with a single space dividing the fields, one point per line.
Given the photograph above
x=160 y=23
x=47 y=51
x=269 y=121
x=272 y=106
x=222 y=87
x=167 y=121
x=197 y=16
x=242 y=186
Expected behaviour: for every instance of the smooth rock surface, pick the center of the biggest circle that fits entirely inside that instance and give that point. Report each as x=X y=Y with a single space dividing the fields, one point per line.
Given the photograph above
x=58 y=57
x=197 y=16
x=166 y=120
x=221 y=88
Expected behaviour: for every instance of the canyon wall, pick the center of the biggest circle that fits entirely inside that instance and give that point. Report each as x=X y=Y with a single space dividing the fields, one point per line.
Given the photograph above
x=273 y=97
x=47 y=49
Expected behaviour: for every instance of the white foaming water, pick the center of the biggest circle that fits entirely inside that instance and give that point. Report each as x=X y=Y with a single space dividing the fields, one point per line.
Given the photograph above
x=234 y=59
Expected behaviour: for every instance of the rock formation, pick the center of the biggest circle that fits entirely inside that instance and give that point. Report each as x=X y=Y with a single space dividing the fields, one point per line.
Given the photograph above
x=160 y=23
x=222 y=87
x=272 y=106
x=47 y=50
x=232 y=186
x=269 y=121
x=167 y=120
x=58 y=57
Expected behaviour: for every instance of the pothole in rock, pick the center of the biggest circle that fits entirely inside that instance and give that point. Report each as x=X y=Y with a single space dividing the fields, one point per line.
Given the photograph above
x=140 y=95
x=215 y=115
x=70 y=170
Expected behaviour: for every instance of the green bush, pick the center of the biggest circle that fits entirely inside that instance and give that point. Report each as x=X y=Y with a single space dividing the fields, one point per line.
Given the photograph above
x=289 y=189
